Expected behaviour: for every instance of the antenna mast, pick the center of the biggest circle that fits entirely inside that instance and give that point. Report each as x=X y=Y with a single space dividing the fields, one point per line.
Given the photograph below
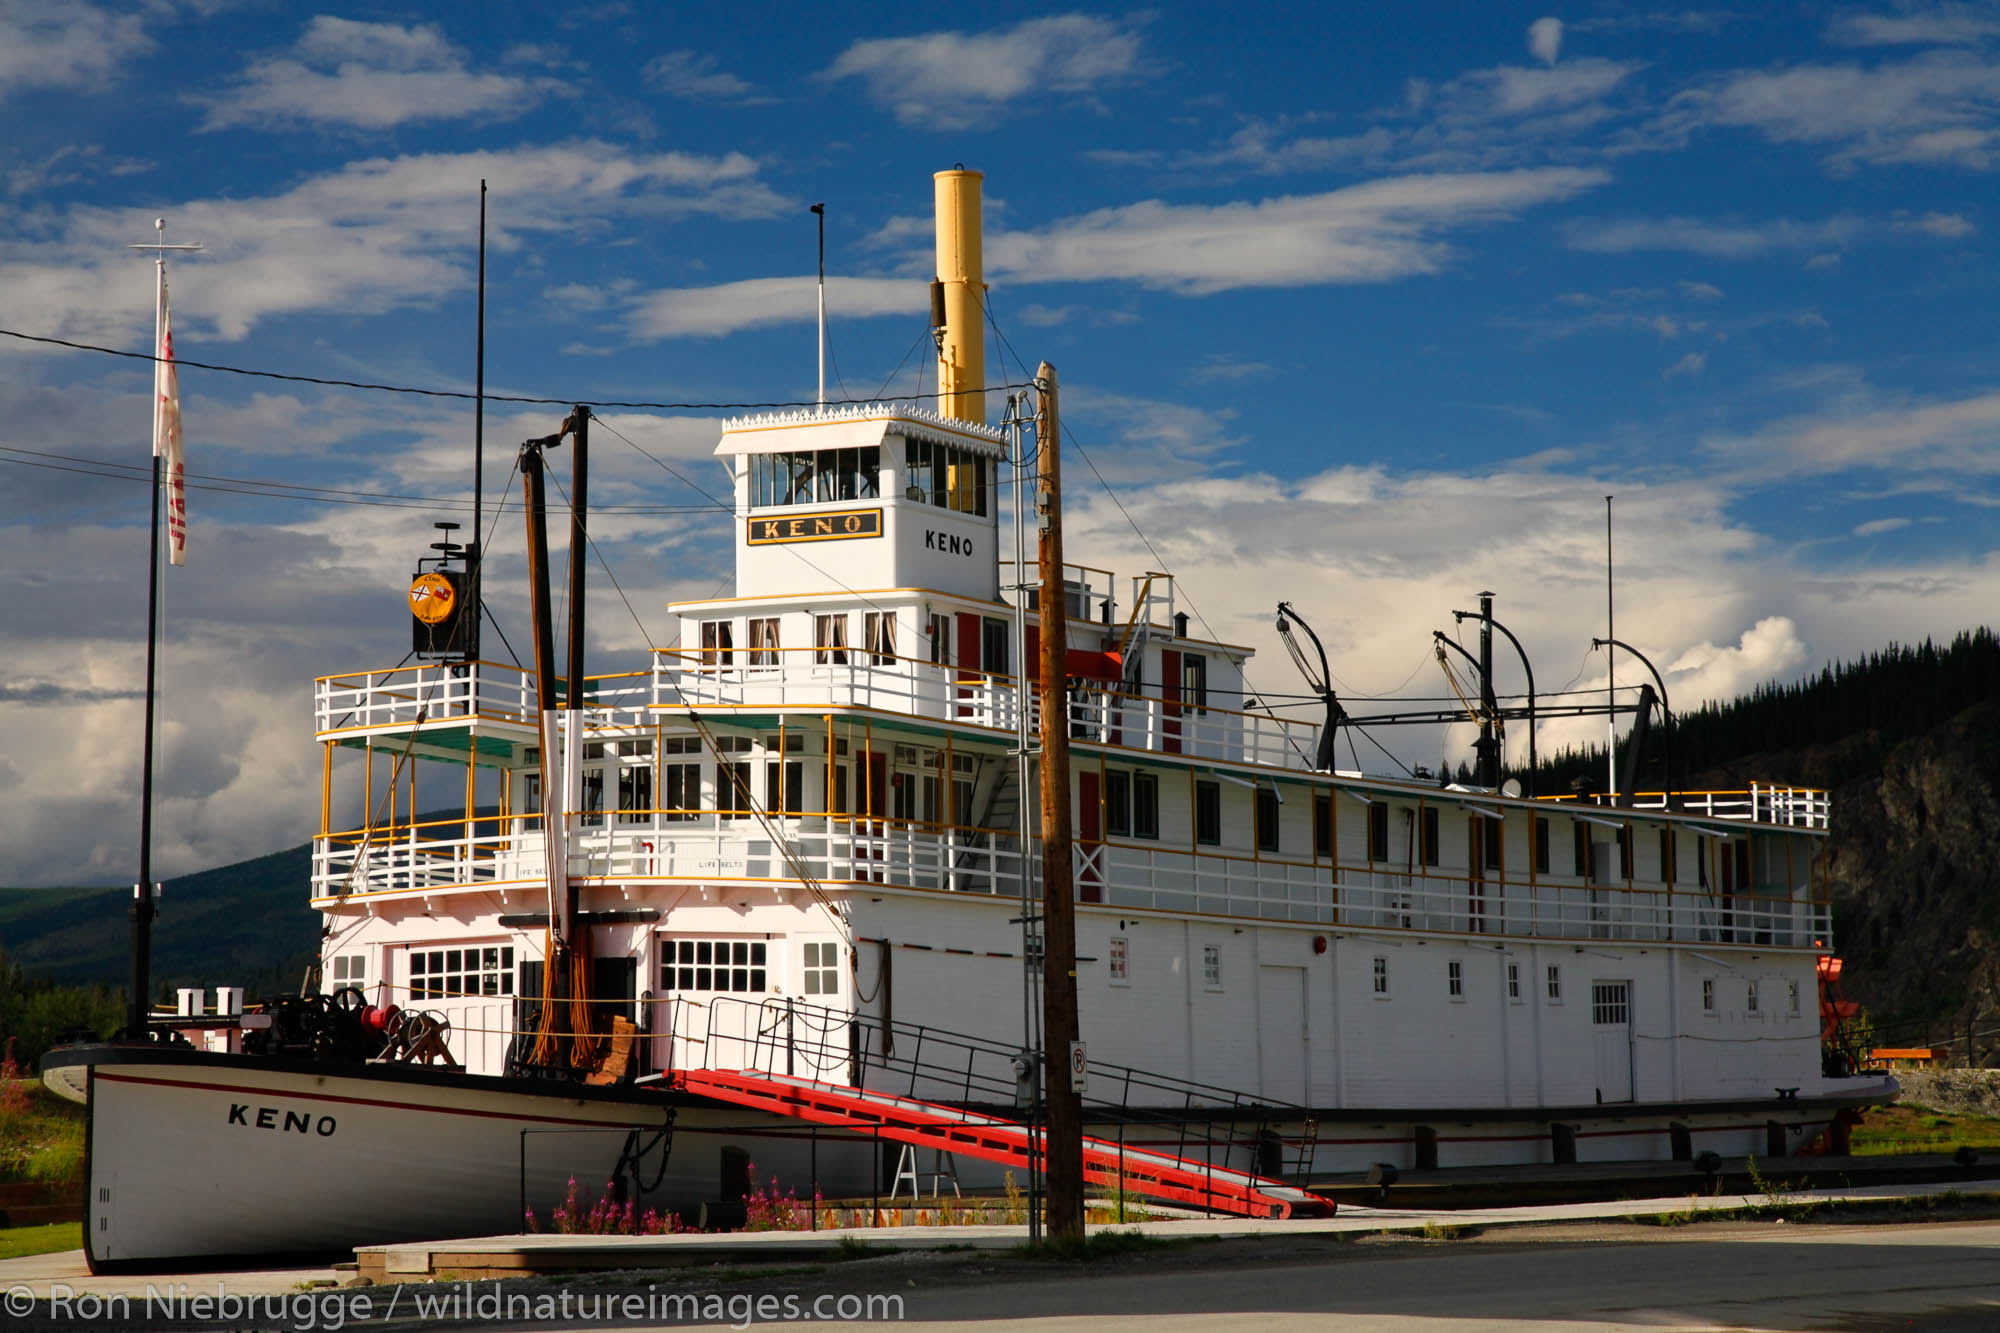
x=819 y=211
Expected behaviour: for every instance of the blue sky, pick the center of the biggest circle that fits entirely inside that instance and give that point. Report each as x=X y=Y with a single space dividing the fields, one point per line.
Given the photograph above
x=1367 y=309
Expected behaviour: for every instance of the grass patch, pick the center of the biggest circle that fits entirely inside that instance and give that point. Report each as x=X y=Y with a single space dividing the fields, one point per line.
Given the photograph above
x=1096 y=1245
x=1887 y=1131
x=17 y=1242
x=41 y=1135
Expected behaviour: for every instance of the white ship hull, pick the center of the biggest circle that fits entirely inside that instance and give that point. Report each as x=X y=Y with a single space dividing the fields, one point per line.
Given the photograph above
x=193 y=1154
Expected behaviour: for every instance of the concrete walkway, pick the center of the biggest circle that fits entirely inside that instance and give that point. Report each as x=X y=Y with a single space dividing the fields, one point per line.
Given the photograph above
x=521 y=1256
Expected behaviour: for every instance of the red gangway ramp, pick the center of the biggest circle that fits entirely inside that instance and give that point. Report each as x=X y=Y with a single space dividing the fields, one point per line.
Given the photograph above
x=1153 y=1175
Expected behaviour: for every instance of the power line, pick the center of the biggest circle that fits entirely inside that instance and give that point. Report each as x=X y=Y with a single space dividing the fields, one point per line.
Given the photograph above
x=184 y=364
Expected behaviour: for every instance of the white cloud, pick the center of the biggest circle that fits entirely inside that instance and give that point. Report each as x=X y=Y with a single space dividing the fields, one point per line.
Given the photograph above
x=1372 y=232
x=1721 y=240
x=376 y=235
x=694 y=75
x=1876 y=527
x=1690 y=365
x=1936 y=108
x=369 y=76
x=701 y=312
x=952 y=79
x=1954 y=436
x=1545 y=37
x=1945 y=25
x=65 y=44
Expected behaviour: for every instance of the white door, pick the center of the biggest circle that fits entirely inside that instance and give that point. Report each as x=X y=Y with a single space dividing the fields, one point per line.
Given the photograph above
x=1281 y=1033
x=1611 y=1035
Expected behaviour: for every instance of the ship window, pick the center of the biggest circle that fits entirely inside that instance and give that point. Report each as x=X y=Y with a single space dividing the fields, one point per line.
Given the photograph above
x=1514 y=982
x=785 y=786
x=878 y=636
x=1119 y=957
x=1381 y=976
x=1792 y=997
x=718 y=643
x=1581 y=840
x=1194 y=682
x=1750 y=999
x=1454 y=979
x=1555 y=984
x=1211 y=966
x=939 y=632
x=735 y=967
x=593 y=792
x=439 y=973
x=822 y=970
x=349 y=969
x=1323 y=825
x=1610 y=1002
x=830 y=640
x=1430 y=840
x=1208 y=813
x=1267 y=818
x=1145 y=805
x=1669 y=858
x=1541 y=844
x=1492 y=835
x=635 y=792
x=1378 y=831
x=1625 y=851
x=764 y=641
x=948 y=477
x=993 y=657
x=732 y=788
x=1117 y=803
x=1708 y=995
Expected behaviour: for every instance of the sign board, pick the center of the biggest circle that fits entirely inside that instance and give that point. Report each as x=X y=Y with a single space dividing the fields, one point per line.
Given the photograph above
x=1079 y=1067
x=840 y=525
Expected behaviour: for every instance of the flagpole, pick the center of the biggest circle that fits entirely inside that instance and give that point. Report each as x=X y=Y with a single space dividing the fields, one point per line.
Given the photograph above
x=138 y=1004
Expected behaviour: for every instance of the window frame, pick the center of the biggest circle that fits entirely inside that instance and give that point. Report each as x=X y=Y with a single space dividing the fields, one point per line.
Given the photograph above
x=1207 y=813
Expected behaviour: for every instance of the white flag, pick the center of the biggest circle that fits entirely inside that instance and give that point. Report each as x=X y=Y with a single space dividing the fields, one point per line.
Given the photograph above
x=167 y=436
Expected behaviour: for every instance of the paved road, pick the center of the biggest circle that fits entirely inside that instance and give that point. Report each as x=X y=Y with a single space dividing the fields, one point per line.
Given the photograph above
x=1760 y=1277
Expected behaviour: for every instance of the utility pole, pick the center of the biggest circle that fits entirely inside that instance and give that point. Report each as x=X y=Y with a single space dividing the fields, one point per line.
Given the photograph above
x=1059 y=1016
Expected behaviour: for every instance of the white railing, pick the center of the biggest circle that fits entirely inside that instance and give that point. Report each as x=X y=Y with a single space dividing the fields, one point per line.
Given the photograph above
x=396 y=697
x=841 y=850
x=925 y=690
x=1793 y=807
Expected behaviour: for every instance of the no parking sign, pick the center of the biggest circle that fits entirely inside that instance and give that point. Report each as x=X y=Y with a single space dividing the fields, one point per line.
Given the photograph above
x=1079 y=1066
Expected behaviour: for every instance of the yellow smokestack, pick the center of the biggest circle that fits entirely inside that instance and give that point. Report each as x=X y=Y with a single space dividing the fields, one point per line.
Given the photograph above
x=962 y=349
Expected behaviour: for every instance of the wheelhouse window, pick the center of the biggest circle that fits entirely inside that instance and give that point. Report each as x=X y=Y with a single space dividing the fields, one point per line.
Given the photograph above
x=764 y=641
x=1208 y=813
x=948 y=476
x=729 y=967
x=815 y=475
x=442 y=973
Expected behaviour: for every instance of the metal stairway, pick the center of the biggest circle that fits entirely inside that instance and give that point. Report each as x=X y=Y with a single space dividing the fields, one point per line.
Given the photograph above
x=925 y=1086
x=1154 y=1175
